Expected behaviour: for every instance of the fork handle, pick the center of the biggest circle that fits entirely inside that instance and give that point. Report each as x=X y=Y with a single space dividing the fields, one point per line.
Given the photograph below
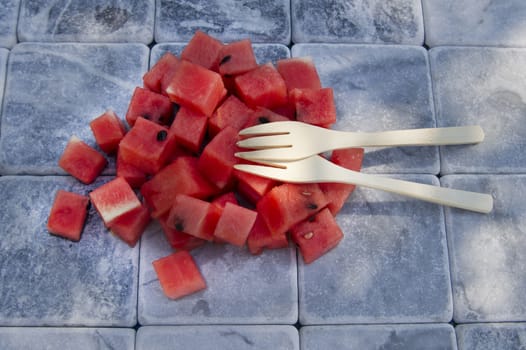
x=478 y=202
x=454 y=135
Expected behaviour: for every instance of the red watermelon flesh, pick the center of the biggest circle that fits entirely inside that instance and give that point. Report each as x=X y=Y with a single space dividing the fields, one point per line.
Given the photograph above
x=114 y=199
x=252 y=187
x=350 y=158
x=189 y=128
x=180 y=177
x=147 y=146
x=234 y=224
x=237 y=57
x=232 y=112
x=287 y=204
x=262 y=116
x=316 y=235
x=178 y=275
x=158 y=77
x=217 y=159
x=82 y=161
x=196 y=87
x=149 y=105
x=130 y=173
x=299 y=73
x=261 y=238
x=262 y=86
x=314 y=106
x=108 y=131
x=68 y=214
x=191 y=215
x=131 y=225
x=203 y=50
x=179 y=240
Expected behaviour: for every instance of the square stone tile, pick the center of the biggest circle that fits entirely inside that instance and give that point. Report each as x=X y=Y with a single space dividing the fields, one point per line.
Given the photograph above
x=51 y=281
x=8 y=22
x=66 y=338
x=227 y=337
x=264 y=52
x=380 y=88
x=87 y=21
x=486 y=87
x=54 y=90
x=489 y=336
x=487 y=250
x=473 y=22
x=241 y=288
x=269 y=21
x=390 y=267
x=376 y=337
x=359 y=21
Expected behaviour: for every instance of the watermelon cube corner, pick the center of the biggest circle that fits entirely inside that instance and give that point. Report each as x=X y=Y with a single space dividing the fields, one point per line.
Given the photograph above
x=82 y=161
x=114 y=199
x=196 y=87
x=68 y=215
x=235 y=224
x=179 y=275
x=316 y=235
x=108 y=131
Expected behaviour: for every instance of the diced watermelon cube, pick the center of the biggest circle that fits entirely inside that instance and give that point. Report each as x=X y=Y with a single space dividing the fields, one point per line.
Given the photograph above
x=235 y=224
x=130 y=173
x=108 y=131
x=337 y=193
x=179 y=177
x=68 y=214
x=232 y=112
x=147 y=146
x=149 y=105
x=192 y=216
x=262 y=116
x=261 y=238
x=299 y=73
x=196 y=87
x=217 y=159
x=251 y=186
x=202 y=49
x=179 y=275
x=237 y=57
x=114 y=199
x=314 y=106
x=262 y=86
x=131 y=225
x=179 y=240
x=316 y=235
x=287 y=204
x=82 y=161
x=158 y=77
x=189 y=128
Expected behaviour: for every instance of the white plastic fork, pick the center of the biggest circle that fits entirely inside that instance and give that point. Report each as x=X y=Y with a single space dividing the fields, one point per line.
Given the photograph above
x=291 y=140
x=317 y=169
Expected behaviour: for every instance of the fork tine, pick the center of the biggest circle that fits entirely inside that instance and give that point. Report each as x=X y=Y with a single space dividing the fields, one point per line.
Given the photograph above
x=267 y=170
x=266 y=129
x=261 y=142
x=260 y=156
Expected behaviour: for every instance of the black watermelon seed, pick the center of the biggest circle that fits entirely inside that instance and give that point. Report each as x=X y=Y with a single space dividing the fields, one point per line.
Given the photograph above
x=146 y=116
x=179 y=224
x=312 y=206
x=162 y=135
x=312 y=218
x=225 y=59
x=263 y=120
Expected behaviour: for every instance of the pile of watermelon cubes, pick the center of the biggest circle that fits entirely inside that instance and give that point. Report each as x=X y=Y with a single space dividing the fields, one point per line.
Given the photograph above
x=175 y=158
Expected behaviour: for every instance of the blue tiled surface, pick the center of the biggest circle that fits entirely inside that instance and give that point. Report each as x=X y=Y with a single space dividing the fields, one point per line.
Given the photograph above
x=393 y=64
